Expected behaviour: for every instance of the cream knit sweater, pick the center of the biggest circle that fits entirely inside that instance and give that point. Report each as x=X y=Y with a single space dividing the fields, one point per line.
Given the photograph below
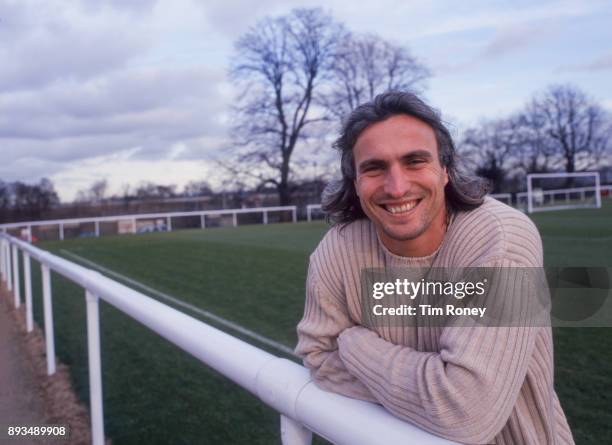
x=468 y=384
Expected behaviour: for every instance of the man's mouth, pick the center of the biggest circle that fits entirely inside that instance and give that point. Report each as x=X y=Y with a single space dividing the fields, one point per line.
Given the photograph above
x=400 y=208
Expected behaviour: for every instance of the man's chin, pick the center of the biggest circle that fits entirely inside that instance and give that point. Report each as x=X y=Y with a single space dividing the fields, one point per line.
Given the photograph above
x=402 y=235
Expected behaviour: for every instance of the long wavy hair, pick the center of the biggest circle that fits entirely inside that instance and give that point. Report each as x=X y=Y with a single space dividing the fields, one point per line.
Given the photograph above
x=340 y=201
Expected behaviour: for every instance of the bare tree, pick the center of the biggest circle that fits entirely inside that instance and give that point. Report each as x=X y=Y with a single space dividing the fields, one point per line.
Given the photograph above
x=148 y=190
x=197 y=188
x=95 y=193
x=578 y=126
x=491 y=147
x=98 y=190
x=31 y=201
x=280 y=64
x=5 y=196
x=535 y=153
x=366 y=65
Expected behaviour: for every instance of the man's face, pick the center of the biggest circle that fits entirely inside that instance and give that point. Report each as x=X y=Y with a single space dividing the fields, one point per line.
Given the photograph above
x=400 y=184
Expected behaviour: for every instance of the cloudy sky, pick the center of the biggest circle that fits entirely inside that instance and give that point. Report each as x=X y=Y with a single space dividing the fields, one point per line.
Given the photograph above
x=137 y=90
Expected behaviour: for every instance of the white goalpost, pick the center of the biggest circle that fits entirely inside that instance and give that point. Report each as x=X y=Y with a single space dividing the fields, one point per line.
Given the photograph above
x=580 y=194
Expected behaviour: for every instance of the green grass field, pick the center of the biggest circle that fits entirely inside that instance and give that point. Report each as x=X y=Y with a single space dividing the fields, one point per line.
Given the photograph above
x=254 y=275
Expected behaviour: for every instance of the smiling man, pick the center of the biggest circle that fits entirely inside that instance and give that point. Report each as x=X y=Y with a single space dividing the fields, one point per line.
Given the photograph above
x=402 y=202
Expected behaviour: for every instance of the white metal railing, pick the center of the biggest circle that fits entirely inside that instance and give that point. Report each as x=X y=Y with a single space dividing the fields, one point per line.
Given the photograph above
x=61 y=223
x=278 y=382
x=502 y=196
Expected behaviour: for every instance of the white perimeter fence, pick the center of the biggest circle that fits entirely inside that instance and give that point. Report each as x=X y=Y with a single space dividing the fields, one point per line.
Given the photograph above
x=163 y=221
x=152 y=221
x=280 y=383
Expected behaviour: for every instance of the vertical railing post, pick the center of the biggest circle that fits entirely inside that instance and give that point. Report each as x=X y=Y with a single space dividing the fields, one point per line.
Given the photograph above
x=294 y=213
x=133 y=225
x=30 y=234
x=61 y=231
x=7 y=264
x=597 y=192
x=294 y=433
x=169 y=224
x=16 y=286
x=2 y=259
x=265 y=217
x=27 y=282
x=48 y=311
x=9 y=267
x=529 y=196
x=234 y=219
x=95 y=369
x=97 y=228
x=202 y=221
x=308 y=213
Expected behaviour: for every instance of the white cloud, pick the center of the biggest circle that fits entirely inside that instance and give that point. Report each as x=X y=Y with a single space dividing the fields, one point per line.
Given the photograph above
x=121 y=168
x=599 y=63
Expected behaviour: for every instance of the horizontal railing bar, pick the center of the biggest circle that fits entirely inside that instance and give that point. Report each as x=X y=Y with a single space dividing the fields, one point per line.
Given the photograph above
x=561 y=175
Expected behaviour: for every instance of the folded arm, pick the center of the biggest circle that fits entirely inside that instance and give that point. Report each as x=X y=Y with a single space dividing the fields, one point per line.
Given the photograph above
x=465 y=391
x=325 y=317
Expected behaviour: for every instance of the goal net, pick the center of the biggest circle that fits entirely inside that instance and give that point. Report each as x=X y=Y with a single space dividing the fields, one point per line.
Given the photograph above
x=559 y=191
x=314 y=212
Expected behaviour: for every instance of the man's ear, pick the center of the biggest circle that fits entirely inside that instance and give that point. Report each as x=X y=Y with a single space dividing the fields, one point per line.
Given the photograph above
x=355 y=187
x=445 y=176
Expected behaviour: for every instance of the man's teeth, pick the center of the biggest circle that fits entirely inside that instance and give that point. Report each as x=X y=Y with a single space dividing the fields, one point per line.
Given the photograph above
x=401 y=208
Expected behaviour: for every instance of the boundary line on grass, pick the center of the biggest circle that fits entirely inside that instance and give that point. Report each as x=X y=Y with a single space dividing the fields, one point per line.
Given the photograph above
x=230 y=324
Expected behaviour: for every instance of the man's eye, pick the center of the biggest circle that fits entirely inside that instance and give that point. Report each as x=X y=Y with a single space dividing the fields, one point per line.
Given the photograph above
x=414 y=162
x=371 y=170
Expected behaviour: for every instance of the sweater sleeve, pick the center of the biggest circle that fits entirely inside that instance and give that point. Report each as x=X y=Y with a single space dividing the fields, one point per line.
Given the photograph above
x=466 y=390
x=324 y=319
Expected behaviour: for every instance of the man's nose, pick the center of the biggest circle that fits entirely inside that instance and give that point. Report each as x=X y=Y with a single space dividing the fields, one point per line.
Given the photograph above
x=397 y=182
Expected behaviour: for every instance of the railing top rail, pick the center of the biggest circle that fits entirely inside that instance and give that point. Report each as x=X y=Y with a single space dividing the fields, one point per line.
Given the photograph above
x=144 y=216
x=562 y=175
x=280 y=383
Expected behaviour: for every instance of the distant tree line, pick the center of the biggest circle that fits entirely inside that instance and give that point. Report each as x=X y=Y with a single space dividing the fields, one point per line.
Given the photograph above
x=20 y=201
x=98 y=192
x=559 y=129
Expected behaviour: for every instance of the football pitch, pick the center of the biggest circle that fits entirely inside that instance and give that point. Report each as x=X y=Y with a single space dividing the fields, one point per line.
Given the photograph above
x=253 y=277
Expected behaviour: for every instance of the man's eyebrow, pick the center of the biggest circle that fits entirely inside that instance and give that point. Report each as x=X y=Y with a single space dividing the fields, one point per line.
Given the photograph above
x=371 y=163
x=417 y=154
x=377 y=163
